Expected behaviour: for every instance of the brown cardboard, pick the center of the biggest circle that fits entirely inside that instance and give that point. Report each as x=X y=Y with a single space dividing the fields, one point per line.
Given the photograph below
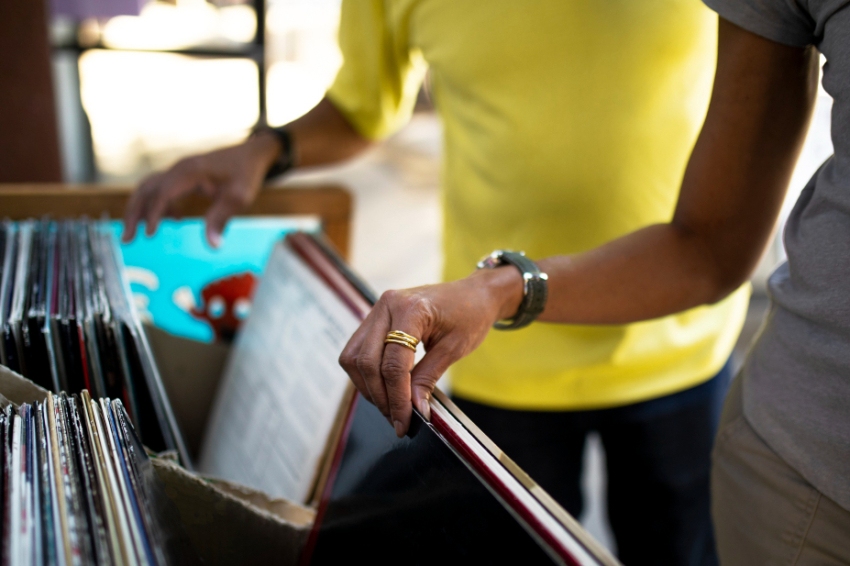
x=190 y=372
x=18 y=389
x=226 y=523
x=230 y=525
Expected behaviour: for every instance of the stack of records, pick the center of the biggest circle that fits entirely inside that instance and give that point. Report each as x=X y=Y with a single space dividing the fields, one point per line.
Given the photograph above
x=76 y=485
x=68 y=322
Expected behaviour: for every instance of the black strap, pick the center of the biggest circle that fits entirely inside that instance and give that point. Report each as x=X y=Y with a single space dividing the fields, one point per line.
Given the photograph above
x=286 y=158
x=536 y=291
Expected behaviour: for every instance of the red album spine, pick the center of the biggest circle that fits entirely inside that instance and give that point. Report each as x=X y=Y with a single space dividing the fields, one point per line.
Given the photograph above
x=486 y=473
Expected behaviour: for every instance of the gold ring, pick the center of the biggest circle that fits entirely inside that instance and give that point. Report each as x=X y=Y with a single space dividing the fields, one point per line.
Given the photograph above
x=400 y=335
x=402 y=339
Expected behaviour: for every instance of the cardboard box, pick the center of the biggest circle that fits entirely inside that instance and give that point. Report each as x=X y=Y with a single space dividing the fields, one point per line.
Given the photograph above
x=226 y=523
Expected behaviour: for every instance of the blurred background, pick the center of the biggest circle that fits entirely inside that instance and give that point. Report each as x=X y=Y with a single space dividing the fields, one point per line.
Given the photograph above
x=138 y=84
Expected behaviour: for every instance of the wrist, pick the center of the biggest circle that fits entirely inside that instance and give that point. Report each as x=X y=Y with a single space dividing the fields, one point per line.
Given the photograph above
x=504 y=286
x=265 y=147
x=534 y=287
x=283 y=147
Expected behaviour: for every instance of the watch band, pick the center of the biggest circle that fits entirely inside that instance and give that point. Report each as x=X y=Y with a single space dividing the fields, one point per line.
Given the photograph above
x=534 y=287
x=286 y=158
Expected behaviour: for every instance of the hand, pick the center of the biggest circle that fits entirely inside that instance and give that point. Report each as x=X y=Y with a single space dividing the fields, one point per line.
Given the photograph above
x=451 y=320
x=230 y=177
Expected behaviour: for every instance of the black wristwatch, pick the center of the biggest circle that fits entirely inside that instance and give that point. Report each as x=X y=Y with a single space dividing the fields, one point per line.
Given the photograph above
x=535 y=288
x=286 y=158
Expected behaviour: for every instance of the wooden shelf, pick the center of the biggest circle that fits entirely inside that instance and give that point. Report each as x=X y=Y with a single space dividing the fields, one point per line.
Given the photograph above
x=331 y=203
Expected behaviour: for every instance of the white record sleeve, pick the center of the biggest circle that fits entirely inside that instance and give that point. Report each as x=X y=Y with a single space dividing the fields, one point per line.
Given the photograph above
x=283 y=386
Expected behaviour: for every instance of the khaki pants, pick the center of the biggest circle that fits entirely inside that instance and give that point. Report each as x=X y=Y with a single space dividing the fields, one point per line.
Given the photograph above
x=764 y=513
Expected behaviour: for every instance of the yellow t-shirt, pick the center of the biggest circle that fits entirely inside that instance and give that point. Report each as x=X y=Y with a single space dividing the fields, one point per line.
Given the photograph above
x=567 y=123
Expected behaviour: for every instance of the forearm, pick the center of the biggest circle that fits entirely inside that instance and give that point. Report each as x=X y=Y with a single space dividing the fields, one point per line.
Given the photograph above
x=656 y=271
x=321 y=137
x=659 y=270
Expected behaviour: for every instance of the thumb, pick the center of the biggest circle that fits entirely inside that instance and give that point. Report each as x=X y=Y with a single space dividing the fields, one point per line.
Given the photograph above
x=426 y=374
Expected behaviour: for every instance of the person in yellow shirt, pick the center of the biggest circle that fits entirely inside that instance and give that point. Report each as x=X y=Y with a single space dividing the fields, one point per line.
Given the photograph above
x=566 y=125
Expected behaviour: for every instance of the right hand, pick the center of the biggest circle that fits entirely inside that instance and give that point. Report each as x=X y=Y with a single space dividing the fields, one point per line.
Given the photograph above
x=230 y=177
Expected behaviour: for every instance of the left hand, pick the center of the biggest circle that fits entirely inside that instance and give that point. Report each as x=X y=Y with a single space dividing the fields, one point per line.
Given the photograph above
x=451 y=320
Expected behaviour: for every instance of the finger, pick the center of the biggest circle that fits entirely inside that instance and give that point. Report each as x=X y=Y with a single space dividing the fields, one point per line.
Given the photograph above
x=228 y=203
x=171 y=187
x=426 y=374
x=173 y=211
x=369 y=358
x=395 y=368
x=136 y=206
x=348 y=359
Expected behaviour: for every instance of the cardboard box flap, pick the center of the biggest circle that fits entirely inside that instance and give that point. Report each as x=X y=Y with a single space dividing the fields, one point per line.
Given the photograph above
x=293 y=513
x=235 y=526
x=190 y=372
x=18 y=389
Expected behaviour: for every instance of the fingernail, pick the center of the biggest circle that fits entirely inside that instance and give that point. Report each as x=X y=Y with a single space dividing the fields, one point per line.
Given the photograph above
x=215 y=239
x=399 y=429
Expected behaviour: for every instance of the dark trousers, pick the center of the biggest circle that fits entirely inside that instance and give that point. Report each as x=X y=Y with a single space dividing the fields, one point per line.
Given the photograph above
x=658 y=458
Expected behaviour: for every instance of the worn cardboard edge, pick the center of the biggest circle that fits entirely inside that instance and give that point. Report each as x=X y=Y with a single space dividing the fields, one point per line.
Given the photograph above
x=258 y=503
x=17 y=389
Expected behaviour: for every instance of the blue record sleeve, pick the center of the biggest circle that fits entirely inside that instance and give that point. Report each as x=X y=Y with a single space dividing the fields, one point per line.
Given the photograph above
x=187 y=288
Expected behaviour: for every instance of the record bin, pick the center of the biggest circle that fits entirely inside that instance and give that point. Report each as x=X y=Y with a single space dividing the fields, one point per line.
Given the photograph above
x=227 y=523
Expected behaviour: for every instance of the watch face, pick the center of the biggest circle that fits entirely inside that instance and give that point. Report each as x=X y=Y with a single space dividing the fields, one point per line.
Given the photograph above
x=490 y=261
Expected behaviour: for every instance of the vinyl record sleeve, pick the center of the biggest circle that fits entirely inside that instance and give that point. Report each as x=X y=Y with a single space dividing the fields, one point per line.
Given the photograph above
x=57 y=304
x=30 y=328
x=129 y=385
x=103 y=321
x=80 y=312
x=64 y=314
x=88 y=303
x=64 y=542
x=33 y=544
x=90 y=487
x=129 y=467
x=142 y=544
x=78 y=523
x=40 y=359
x=14 y=548
x=14 y=333
x=148 y=394
x=110 y=511
x=166 y=533
x=33 y=492
x=48 y=526
x=7 y=482
x=123 y=530
x=7 y=279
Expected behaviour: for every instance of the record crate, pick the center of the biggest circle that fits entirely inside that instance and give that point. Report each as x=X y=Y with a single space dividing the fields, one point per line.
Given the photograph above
x=226 y=523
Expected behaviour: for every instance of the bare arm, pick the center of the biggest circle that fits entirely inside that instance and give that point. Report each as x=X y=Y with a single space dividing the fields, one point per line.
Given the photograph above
x=231 y=177
x=731 y=194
